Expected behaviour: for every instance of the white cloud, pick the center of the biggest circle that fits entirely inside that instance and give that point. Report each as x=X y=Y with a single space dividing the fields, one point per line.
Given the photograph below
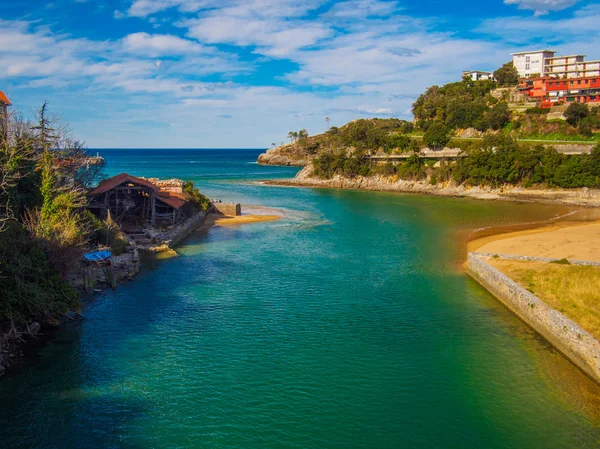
x=159 y=44
x=542 y=6
x=581 y=30
x=363 y=9
x=357 y=58
x=277 y=28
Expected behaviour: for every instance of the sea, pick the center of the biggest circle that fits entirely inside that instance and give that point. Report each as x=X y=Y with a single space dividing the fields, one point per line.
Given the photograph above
x=349 y=323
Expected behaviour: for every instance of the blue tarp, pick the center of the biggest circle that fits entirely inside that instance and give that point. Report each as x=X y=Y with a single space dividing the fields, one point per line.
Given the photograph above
x=97 y=256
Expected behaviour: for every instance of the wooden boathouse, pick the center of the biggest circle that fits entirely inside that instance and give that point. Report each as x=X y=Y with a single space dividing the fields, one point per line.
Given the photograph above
x=132 y=199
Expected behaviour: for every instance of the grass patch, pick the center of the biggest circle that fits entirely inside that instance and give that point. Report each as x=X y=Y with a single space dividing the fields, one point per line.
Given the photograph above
x=571 y=289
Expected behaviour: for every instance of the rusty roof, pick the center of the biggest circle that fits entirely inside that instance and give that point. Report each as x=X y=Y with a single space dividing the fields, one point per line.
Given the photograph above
x=111 y=183
x=175 y=200
x=4 y=99
x=171 y=199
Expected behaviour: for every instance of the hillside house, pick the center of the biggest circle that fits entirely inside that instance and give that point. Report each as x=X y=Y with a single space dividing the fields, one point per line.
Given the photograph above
x=478 y=75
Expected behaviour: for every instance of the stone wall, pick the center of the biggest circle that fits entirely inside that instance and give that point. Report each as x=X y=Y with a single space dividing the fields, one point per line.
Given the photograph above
x=230 y=209
x=587 y=263
x=569 y=338
x=174 y=236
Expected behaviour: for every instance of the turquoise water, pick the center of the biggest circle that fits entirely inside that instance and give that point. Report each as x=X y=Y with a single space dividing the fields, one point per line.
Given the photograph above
x=347 y=324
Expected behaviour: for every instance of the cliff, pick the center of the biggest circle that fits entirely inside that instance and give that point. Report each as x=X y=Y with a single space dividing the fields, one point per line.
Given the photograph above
x=291 y=154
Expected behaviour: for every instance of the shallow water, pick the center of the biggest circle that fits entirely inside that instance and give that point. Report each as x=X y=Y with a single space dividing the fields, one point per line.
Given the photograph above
x=347 y=324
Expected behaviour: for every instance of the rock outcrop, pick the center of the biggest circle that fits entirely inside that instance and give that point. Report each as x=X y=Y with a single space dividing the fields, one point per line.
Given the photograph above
x=287 y=155
x=577 y=197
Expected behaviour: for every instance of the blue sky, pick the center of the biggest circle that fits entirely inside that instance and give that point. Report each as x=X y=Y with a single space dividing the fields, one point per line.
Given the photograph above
x=242 y=73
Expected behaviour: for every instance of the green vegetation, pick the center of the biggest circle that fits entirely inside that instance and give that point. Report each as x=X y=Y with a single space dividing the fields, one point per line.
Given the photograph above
x=495 y=161
x=507 y=75
x=31 y=288
x=502 y=160
x=198 y=200
x=437 y=135
x=576 y=113
x=476 y=104
x=460 y=105
x=43 y=221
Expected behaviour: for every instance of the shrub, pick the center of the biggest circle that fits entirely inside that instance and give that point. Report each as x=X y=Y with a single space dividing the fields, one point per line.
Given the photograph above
x=200 y=201
x=31 y=288
x=499 y=116
x=399 y=141
x=437 y=135
x=507 y=75
x=575 y=113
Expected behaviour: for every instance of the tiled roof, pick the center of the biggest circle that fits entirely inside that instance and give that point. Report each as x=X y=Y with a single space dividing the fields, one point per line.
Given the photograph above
x=4 y=99
x=169 y=198
x=115 y=181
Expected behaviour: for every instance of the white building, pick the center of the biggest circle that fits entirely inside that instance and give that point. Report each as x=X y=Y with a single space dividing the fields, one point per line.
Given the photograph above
x=477 y=75
x=530 y=63
x=545 y=63
x=572 y=66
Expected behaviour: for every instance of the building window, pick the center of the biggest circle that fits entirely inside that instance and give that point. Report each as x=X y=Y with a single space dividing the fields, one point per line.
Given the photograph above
x=527 y=58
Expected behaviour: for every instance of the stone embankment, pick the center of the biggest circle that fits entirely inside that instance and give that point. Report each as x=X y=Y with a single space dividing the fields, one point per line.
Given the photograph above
x=575 y=197
x=569 y=338
x=165 y=240
x=229 y=209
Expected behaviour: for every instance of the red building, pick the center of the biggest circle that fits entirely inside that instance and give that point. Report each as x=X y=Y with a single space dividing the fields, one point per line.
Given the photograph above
x=552 y=91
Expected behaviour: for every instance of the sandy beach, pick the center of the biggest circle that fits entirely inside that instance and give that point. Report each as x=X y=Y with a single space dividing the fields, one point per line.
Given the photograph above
x=221 y=220
x=569 y=240
x=262 y=215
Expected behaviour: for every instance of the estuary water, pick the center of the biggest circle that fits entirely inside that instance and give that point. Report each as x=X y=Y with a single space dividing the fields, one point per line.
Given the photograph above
x=349 y=323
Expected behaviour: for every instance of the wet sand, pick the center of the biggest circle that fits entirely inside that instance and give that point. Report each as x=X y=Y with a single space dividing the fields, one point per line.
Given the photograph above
x=243 y=219
x=265 y=214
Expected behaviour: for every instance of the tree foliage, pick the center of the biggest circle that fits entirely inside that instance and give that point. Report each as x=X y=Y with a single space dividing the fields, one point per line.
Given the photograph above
x=437 y=135
x=46 y=224
x=458 y=105
x=507 y=75
x=200 y=201
x=575 y=113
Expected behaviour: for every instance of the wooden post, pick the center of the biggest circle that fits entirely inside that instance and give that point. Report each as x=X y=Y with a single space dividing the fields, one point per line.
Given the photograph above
x=143 y=206
x=153 y=207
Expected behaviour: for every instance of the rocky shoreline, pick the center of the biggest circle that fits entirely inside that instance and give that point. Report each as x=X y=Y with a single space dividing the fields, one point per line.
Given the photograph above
x=573 y=197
